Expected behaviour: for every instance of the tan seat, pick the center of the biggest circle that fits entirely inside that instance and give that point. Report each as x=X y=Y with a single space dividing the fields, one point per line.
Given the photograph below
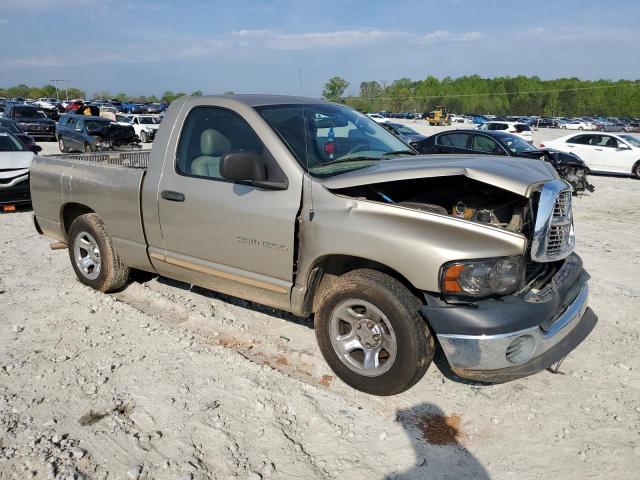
x=212 y=142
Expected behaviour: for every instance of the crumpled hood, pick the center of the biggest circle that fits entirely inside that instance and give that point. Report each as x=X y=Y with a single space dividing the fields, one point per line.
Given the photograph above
x=516 y=175
x=13 y=164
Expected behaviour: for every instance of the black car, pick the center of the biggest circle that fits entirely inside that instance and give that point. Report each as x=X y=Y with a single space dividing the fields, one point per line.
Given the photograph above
x=86 y=133
x=494 y=142
x=407 y=134
x=27 y=140
x=32 y=120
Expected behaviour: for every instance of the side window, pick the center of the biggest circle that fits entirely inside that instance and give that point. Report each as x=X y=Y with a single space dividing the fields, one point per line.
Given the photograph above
x=71 y=122
x=208 y=134
x=484 y=144
x=457 y=140
x=606 y=141
x=79 y=126
x=580 y=139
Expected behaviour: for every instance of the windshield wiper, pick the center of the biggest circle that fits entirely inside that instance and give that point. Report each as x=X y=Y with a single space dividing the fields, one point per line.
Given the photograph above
x=400 y=152
x=345 y=160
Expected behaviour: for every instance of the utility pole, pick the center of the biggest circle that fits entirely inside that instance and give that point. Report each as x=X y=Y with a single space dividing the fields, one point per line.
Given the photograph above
x=55 y=83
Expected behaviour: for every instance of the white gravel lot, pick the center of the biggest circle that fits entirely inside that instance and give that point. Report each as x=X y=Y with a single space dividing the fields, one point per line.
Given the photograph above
x=164 y=381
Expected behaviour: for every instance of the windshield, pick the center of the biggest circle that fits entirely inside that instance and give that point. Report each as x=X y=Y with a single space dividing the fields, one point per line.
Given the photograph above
x=9 y=143
x=404 y=130
x=95 y=125
x=635 y=141
x=516 y=144
x=12 y=127
x=330 y=139
x=149 y=120
x=122 y=118
x=25 y=112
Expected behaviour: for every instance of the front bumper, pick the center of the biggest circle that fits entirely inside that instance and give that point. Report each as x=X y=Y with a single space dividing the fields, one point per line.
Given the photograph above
x=16 y=191
x=515 y=336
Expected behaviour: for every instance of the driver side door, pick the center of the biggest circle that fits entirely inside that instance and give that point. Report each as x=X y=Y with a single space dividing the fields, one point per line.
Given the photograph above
x=228 y=236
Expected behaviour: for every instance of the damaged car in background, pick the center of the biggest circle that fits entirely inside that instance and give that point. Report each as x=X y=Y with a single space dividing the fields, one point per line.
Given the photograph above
x=570 y=167
x=87 y=133
x=314 y=208
x=15 y=162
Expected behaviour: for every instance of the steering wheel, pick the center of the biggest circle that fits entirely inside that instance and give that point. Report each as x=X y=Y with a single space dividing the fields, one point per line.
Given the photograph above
x=359 y=147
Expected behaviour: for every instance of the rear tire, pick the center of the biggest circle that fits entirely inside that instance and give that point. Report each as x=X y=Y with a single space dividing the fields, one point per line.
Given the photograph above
x=92 y=255
x=371 y=333
x=61 y=145
x=87 y=148
x=636 y=170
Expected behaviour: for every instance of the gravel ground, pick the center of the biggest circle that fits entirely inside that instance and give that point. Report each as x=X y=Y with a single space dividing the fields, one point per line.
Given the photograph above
x=165 y=381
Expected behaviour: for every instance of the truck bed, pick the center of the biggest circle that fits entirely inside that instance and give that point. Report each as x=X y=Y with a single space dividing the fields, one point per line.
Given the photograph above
x=108 y=183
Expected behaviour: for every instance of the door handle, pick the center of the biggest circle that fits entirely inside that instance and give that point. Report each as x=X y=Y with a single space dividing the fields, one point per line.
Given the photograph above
x=172 y=196
x=598 y=149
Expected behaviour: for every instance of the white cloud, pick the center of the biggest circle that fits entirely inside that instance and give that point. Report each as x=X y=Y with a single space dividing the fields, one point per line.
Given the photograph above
x=176 y=47
x=277 y=40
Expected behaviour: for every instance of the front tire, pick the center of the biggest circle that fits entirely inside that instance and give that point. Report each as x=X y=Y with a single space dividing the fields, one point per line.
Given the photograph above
x=144 y=138
x=371 y=333
x=92 y=255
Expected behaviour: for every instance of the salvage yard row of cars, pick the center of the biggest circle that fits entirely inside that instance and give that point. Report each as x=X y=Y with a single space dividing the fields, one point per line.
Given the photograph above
x=602 y=124
x=94 y=128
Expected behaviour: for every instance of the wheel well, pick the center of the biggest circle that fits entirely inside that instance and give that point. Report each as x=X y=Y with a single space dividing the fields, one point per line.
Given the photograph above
x=70 y=212
x=332 y=266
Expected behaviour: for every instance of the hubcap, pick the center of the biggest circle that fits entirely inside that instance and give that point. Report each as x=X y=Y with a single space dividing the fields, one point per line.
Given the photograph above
x=87 y=255
x=362 y=337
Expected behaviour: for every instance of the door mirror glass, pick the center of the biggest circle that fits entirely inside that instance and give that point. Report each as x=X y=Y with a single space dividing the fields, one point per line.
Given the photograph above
x=36 y=148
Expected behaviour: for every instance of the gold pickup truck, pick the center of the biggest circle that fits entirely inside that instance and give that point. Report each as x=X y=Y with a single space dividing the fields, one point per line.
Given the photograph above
x=313 y=208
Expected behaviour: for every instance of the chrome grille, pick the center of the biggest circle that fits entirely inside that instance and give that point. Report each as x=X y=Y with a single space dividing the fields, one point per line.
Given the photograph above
x=553 y=237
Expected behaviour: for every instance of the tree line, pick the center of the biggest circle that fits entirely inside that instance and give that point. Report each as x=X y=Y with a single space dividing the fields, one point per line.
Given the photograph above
x=49 y=91
x=473 y=94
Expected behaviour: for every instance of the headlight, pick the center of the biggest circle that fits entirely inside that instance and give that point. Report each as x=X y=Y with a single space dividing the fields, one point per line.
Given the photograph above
x=482 y=278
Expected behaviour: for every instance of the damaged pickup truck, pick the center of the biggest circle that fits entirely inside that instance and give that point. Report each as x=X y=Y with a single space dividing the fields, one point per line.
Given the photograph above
x=313 y=208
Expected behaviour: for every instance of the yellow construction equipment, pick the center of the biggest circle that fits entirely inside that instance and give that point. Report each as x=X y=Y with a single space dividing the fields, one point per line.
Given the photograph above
x=440 y=116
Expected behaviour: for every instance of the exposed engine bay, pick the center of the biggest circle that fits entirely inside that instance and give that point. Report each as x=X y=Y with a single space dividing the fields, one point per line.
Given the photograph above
x=456 y=196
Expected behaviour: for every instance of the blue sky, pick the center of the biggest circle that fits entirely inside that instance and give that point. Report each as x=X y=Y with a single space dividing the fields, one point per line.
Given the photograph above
x=149 y=46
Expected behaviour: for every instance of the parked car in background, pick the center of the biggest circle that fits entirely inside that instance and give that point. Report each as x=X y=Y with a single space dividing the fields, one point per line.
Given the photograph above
x=570 y=167
x=632 y=126
x=576 y=125
x=15 y=161
x=139 y=108
x=546 y=123
x=407 y=134
x=32 y=120
x=609 y=153
x=377 y=117
x=84 y=133
x=522 y=130
x=145 y=126
x=27 y=140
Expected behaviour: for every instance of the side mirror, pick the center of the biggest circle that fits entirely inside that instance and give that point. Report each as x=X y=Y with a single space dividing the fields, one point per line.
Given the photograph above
x=36 y=148
x=250 y=168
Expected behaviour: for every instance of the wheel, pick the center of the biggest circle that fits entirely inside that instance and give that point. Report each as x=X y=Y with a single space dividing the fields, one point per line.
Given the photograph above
x=371 y=334
x=580 y=128
x=92 y=255
x=636 y=170
x=87 y=148
x=63 y=148
x=144 y=138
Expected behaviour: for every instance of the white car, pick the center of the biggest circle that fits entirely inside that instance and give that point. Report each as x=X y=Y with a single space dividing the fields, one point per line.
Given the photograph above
x=603 y=152
x=578 y=125
x=145 y=126
x=15 y=161
x=376 y=117
x=518 y=129
x=48 y=103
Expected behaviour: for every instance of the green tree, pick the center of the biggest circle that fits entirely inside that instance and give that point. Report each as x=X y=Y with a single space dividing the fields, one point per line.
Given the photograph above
x=334 y=89
x=196 y=93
